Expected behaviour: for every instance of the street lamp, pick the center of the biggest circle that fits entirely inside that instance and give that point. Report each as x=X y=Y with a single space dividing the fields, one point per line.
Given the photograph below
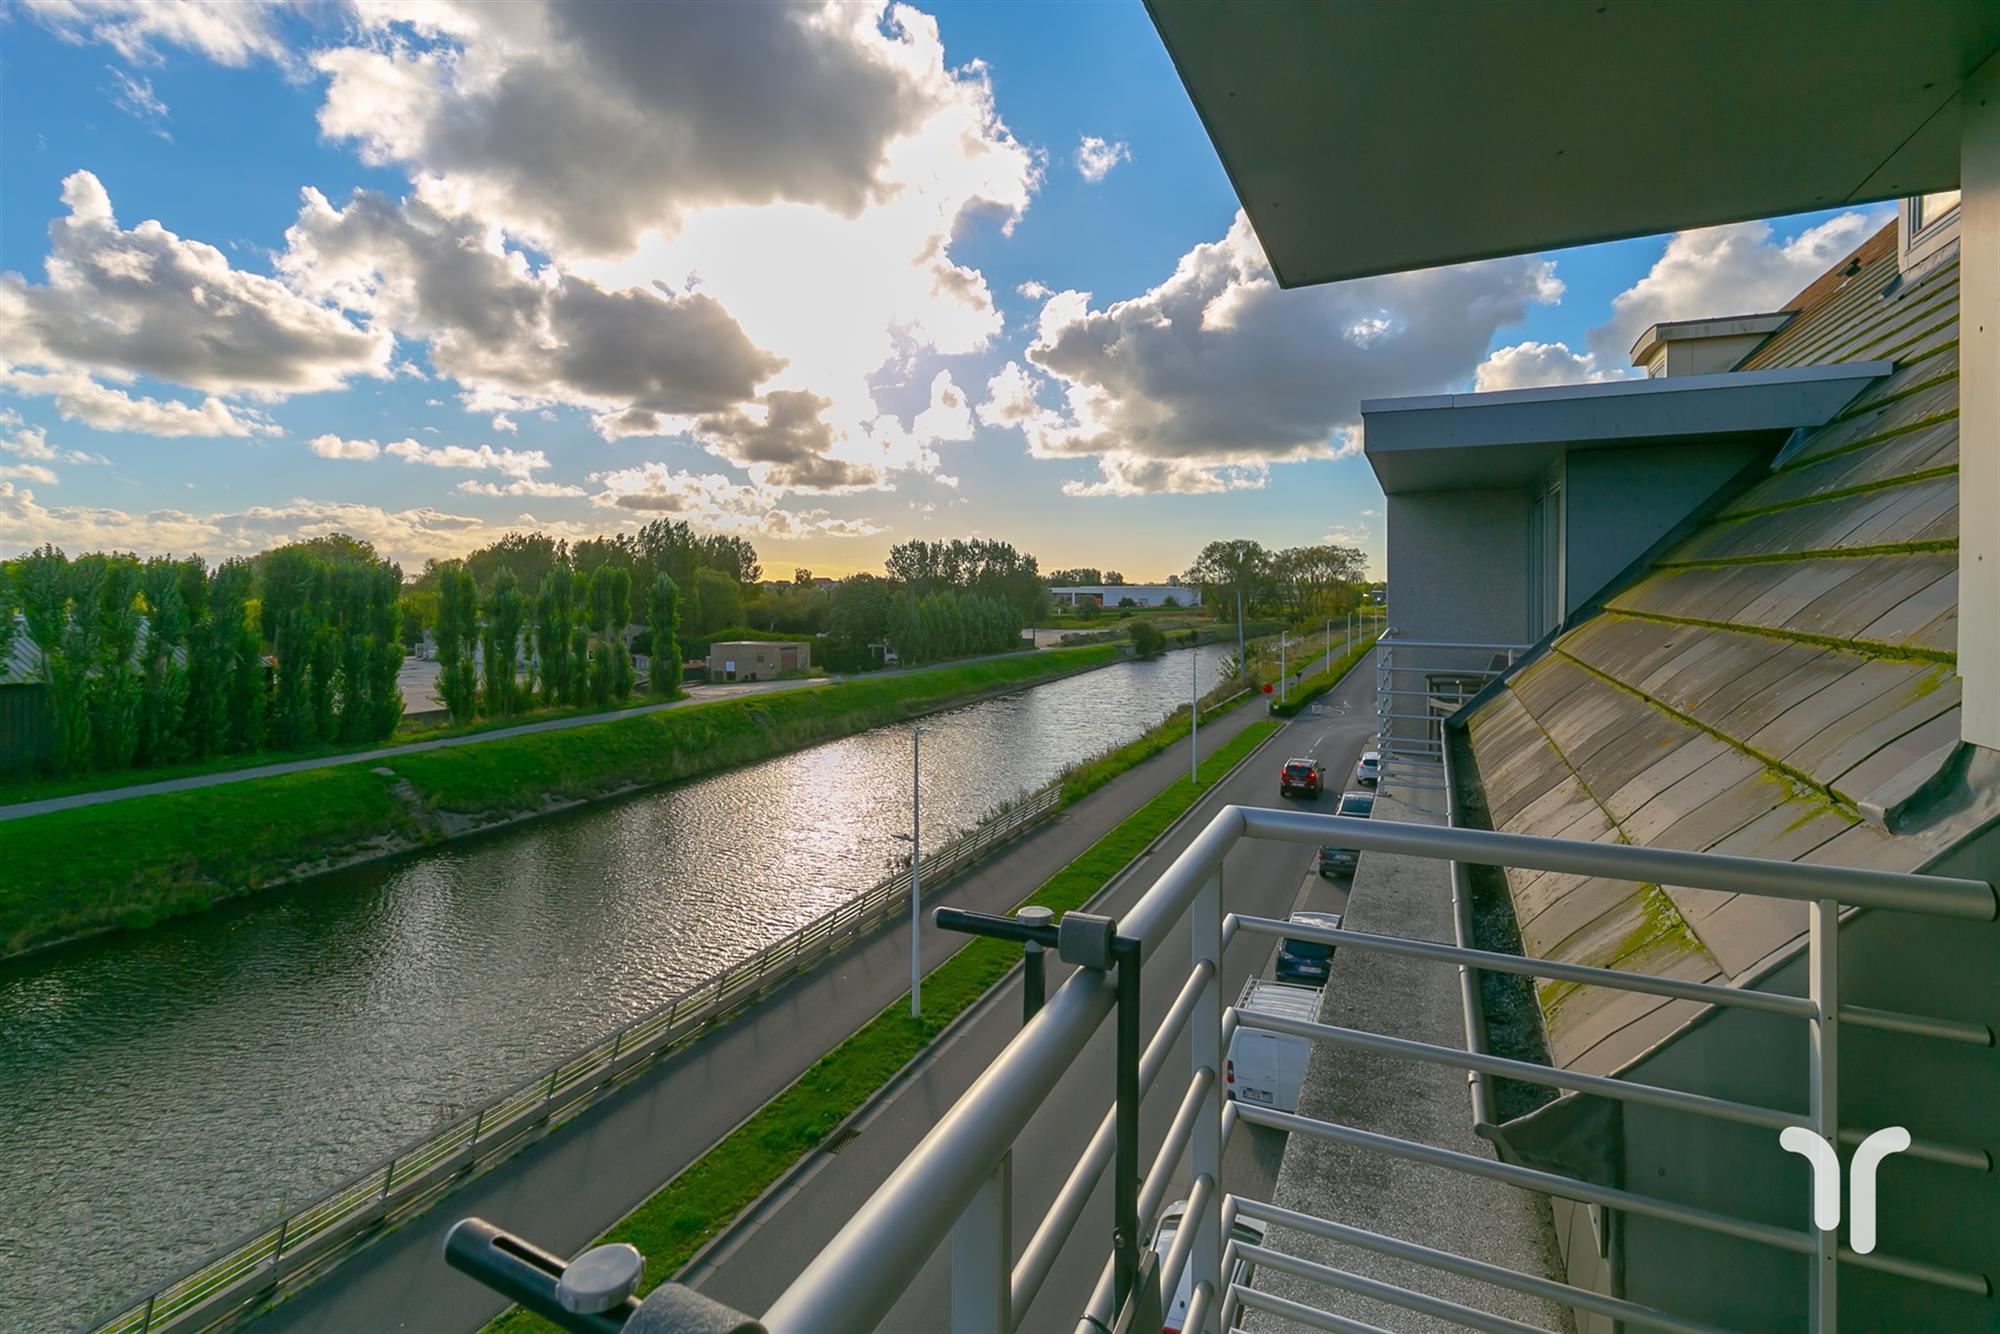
x=915 y=838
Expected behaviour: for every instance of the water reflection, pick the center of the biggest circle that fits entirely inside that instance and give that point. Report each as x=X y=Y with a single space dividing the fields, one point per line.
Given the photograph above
x=163 y=1091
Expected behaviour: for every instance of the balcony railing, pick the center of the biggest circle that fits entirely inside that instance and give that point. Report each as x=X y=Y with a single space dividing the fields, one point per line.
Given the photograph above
x=1418 y=684
x=955 y=1183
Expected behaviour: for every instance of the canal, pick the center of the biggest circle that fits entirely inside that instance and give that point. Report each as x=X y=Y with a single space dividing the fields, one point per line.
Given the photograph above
x=163 y=1091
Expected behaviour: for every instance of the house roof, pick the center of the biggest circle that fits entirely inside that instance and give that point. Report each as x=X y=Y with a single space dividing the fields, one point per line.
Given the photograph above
x=1778 y=683
x=1355 y=134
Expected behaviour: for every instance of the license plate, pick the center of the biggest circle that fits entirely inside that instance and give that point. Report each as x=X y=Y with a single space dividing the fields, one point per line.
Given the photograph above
x=1257 y=1095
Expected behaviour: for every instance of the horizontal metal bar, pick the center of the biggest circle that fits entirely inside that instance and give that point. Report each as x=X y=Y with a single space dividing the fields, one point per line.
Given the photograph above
x=1624 y=1090
x=1917 y=1025
x=1528 y=1178
x=1706 y=992
x=1305 y=1315
x=1392 y=643
x=1936 y=1151
x=1936 y=1275
x=1409 y=1299
x=1563 y=1294
x=1938 y=896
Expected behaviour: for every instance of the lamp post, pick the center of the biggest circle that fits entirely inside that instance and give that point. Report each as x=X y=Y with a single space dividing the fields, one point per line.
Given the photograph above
x=1194 y=716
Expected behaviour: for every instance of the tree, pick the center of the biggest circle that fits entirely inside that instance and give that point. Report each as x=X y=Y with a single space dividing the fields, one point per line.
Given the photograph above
x=1227 y=569
x=164 y=661
x=720 y=598
x=1319 y=582
x=238 y=722
x=555 y=622
x=293 y=582
x=1147 y=639
x=530 y=556
x=610 y=612
x=115 y=688
x=1082 y=576
x=663 y=622
x=457 y=632
x=1113 y=579
x=859 y=614
x=505 y=610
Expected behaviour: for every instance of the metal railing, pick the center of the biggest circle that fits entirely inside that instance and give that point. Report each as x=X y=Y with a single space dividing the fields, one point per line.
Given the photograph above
x=956 y=1181
x=420 y=1171
x=1419 y=683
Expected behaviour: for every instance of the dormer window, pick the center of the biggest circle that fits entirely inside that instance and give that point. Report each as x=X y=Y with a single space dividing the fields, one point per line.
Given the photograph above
x=1929 y=227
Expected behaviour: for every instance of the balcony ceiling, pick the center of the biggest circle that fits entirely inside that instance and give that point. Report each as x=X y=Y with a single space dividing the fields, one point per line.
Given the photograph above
x=1368 y=139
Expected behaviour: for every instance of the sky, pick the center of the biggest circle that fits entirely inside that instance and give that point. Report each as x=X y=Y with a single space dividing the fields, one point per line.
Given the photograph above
x=827 y=278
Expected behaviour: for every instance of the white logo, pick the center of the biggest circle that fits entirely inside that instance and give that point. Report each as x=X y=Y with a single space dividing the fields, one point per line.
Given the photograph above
x=1868 y=1157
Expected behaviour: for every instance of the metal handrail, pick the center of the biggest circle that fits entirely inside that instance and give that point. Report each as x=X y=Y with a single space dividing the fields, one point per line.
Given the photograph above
x=856 y=1280
x=500 y=1126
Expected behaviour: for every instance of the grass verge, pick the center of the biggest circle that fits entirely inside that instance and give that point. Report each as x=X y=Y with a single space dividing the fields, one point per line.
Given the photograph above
x=131 y=863
x=1310 y=689
x=671 y=1226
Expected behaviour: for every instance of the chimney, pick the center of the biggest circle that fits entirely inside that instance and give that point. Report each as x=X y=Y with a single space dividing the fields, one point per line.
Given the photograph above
x=1703 y=347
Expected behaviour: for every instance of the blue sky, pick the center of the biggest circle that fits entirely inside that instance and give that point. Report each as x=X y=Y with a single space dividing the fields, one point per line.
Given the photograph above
x=829 y=280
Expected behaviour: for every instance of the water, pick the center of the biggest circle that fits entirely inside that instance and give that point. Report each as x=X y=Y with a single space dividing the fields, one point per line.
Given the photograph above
x=163 y=1091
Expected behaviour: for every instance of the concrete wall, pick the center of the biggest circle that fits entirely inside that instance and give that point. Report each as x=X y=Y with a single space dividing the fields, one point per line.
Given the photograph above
x=757 y=660
x=1458 y=566
x=1618 y=502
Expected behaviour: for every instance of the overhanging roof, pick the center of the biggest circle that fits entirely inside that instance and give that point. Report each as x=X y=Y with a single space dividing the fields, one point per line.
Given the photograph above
x=1375 y=138
x=1455 y=442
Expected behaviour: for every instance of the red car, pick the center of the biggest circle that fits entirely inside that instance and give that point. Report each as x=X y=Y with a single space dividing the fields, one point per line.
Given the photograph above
x=1302 y=777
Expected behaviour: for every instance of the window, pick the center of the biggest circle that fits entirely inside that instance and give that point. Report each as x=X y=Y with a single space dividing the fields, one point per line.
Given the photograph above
x=1929 y=226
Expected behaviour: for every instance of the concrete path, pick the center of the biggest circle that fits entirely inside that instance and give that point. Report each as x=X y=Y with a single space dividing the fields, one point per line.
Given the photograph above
x=582 y=1179
x=697 y=694
x=765 y=1253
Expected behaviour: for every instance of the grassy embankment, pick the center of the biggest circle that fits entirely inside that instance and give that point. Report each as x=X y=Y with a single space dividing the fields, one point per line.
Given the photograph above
x=671 y=1226
x=132 y=862
x=1310 y=689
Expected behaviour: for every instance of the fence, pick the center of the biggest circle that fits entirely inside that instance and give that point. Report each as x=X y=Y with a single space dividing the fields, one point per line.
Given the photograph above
x=1418 y=684
x=418 y=1173
x=957 y=1181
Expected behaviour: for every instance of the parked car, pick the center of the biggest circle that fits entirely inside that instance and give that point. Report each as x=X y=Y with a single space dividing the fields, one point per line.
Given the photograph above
x=1169 y=1226
x=1369 y=772
x=1267 y=1068
x=1343 y=861
x=1302 y=776
x=1307 y=961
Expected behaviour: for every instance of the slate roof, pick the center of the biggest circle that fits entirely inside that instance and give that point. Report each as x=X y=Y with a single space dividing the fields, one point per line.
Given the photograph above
x=1779 y=683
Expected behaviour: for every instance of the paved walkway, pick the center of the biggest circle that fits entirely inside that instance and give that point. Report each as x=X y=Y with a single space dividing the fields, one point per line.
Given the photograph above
x=571 y=1186
x=697 y=694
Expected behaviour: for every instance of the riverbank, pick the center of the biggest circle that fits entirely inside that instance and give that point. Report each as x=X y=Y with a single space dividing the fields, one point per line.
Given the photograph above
x=135 y=862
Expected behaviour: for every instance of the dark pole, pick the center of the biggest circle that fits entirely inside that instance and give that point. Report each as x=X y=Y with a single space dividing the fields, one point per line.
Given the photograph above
x=1125 y=1234
x=1034 y=963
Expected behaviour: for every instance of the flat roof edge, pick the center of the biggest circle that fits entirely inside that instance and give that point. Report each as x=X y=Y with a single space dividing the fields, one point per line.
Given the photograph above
x=1634 y=388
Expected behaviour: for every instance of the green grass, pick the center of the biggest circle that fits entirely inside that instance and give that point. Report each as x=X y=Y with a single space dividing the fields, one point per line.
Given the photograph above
x=1310 y=689
x=133 y=862
x=671 y=1226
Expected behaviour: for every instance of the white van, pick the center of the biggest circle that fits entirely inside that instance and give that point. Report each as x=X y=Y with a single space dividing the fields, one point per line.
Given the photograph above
x=1267 y=1068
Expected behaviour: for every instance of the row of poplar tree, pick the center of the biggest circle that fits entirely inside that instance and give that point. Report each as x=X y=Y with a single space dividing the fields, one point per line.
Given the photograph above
x=502 y=654
x=949 y=624
x=163 y=661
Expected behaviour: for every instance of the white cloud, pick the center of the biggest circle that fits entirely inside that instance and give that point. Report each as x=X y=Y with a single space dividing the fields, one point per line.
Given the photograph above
x=1095 y=157
x=28 y=472
x=1731 y=270
x=1530 y=365
x=502 y=422
x=333 y=447
x=786 y=445
x=134 y=96
x=519 y=464
x=229 y=32
x=1204 y=381
x=521 y=488
x=714 y=501
x=1035 y=290
x=143 y=301
x=409 y=536
x=102 y=408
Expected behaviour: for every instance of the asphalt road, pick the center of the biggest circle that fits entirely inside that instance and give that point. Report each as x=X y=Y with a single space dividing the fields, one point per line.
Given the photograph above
x=565 y=1190
x=769 y=1249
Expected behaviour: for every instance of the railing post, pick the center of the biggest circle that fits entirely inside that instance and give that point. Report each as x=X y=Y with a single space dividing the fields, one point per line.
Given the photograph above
x=278 y=1250
x=1205 y=1048
x=388 y=1179
x=982 y=1259
x=1034 y=964
x=146 y=1317
x=1823 y=964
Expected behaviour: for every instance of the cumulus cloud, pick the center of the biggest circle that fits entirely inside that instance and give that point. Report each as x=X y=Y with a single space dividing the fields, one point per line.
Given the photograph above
x=1095 y=157
x=102 y=408
x=333 y=447
x=515 y=335
x=409 y=536
x=1035 y=290
x=681 y=107
x=717 y=502
x=502 y=422
x=32 y=443
x=520 y=464
x=1207 y=379
x=1530 y=365
x=1731 y=270
x=229 y=32
x=786 y=444
x=521 y=487
x=121 y=303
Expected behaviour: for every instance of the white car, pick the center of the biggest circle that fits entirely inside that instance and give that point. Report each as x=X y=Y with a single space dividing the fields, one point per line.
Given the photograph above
x=1246 y=1229
x=1369 y=772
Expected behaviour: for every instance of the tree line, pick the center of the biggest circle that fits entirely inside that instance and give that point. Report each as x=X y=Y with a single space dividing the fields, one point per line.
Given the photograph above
x=164 y=661
x=1309 y=582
